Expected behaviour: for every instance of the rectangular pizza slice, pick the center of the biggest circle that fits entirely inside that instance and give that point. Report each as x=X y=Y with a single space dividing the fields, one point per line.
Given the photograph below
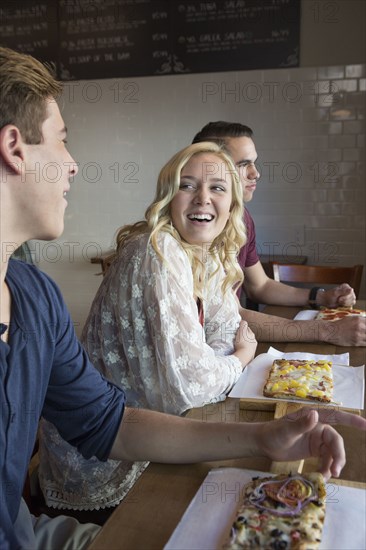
x=282 y=512
x=309 y=380
x=327 y=314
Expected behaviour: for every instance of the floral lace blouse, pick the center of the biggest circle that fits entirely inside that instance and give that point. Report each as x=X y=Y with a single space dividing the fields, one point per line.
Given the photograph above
x=143 y=333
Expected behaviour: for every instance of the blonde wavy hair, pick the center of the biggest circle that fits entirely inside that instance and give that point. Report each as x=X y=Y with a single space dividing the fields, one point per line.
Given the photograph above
x=225 y=247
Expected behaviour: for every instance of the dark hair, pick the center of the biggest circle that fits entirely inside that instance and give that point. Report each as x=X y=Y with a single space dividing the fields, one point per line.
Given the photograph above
x=25 y=85
x=220 y=131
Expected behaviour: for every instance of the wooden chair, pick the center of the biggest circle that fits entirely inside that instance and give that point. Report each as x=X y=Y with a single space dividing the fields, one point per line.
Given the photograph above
x=105 y=261
x=318 y=274
x=32 y=494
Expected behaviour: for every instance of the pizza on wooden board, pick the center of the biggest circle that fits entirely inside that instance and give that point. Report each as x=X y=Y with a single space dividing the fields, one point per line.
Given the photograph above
x=293 y=379
x=327 y=314
x=282 y=512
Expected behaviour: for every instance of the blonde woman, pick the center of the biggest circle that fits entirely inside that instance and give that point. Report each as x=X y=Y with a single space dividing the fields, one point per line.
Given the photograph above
x=165 y=323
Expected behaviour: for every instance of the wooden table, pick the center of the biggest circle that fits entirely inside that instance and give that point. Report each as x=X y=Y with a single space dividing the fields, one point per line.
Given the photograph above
x=149 y=514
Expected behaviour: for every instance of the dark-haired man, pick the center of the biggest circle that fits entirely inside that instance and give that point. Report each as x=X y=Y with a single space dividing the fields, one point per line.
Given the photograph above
x=237 y=140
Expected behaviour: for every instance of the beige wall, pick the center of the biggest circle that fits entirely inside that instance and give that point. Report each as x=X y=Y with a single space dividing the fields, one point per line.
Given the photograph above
x=310 y=135
x=309 y=131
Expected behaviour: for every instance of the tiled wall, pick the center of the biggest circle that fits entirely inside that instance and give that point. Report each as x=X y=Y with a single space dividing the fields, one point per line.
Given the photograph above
x=310 y=135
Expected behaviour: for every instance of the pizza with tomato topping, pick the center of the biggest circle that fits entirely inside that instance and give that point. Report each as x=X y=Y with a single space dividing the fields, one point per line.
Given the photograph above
x=280 y=512
x=327 y=314
x=309 y=380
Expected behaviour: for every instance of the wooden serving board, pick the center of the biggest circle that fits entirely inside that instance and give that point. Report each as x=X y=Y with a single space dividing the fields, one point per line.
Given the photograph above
x=348 y=483
x=257 y=404
x=271 y=405
x=283 y=408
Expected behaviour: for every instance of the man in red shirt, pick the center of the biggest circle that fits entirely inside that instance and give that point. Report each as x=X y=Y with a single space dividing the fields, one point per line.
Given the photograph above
x=237 y=140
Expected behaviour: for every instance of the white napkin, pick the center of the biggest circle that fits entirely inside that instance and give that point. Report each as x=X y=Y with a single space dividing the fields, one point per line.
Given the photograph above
x=349 y=382
x=339 y=359
x=207 y=521
x=306 y=315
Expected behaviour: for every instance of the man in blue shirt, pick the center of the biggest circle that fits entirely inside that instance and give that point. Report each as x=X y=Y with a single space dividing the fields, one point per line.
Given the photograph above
x=45 y=371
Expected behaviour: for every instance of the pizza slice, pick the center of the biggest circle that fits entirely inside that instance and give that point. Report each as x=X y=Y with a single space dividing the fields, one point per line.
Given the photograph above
x=280 y=512
x=327 y=314
x=309 y=380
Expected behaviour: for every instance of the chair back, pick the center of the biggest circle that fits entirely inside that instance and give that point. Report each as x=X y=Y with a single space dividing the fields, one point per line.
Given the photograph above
x=106 y=261
x=318 y=274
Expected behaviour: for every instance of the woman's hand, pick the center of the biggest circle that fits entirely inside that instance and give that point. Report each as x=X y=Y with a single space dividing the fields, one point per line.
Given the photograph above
x=245 y=343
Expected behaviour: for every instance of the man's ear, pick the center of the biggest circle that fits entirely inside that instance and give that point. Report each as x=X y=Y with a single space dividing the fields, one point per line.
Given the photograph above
x=12 y=148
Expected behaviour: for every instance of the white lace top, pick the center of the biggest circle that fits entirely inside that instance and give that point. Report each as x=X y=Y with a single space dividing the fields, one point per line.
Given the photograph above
x=144 y=333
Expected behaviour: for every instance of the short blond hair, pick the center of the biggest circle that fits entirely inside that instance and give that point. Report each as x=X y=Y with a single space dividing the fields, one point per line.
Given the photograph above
x=25 y=86
x=225 y=248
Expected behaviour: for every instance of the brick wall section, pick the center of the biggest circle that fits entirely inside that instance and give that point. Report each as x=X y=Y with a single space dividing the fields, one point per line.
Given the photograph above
x=309 y=126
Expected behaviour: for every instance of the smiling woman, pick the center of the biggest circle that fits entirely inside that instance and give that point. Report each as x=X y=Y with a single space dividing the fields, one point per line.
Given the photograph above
x=165 y=322
x=201 y=208
x=192 y=170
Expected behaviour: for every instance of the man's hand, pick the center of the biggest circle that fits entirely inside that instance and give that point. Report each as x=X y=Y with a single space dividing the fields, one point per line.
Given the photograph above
x=303 y=434
x=163 y=438
x=339 y=296
x=349 y=331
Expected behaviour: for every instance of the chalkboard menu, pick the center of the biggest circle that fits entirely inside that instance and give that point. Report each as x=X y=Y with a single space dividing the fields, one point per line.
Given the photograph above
x=235 y=35
x=110 y=38
x=88 y=39
x=30 y=27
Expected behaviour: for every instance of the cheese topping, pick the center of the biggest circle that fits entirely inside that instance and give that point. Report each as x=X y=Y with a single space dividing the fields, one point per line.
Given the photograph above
x=268 y=526
x=303 y=379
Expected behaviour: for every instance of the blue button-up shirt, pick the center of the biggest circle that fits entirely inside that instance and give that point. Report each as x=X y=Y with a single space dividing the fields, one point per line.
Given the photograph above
x=45 y=371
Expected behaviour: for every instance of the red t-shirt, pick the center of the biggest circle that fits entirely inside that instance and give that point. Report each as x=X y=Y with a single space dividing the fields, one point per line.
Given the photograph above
x=248 y=253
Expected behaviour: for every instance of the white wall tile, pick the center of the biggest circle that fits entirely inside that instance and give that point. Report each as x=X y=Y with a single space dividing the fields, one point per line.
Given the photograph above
x=310 y=142
x=357 y=99
x=355 y=71
x=331 y=72
x=354 y=127
x=315 y=142
x=342 y=141
x=351 y=154
x=344 y=85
